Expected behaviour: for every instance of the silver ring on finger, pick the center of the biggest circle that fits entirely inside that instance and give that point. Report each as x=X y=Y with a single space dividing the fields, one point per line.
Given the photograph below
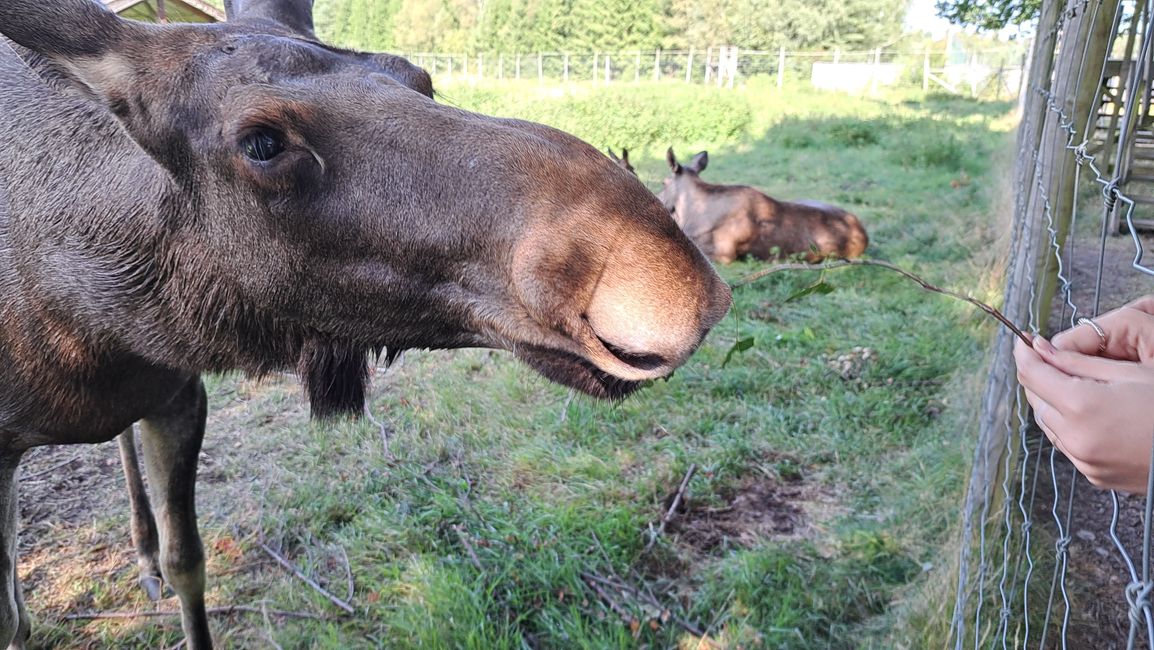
x=1097 y=330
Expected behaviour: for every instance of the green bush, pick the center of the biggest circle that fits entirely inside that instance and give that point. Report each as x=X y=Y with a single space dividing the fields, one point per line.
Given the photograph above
x=630 y=116
x=798 y=133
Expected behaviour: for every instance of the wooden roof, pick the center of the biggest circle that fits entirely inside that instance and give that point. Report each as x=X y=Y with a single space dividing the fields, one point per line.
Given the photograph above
x=177 y=11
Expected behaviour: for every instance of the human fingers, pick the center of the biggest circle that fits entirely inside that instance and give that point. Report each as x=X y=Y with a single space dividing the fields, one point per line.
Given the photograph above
x=1048 y=419
x=1124 y=333
x=1077 y=364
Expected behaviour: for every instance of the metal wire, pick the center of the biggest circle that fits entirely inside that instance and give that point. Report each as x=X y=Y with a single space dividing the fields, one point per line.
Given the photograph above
x=1038 y=242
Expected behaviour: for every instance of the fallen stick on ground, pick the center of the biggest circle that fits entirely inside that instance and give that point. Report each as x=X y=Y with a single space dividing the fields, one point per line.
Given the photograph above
x=672 y=507
x=225 y=610
x=281 y=560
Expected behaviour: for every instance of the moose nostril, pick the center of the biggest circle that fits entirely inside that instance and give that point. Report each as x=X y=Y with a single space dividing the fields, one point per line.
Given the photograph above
x=641 y=361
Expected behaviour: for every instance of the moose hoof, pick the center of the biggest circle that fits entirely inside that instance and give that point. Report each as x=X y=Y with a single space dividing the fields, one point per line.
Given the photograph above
x=152 y=586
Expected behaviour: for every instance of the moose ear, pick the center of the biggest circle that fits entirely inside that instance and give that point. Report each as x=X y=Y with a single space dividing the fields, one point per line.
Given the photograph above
x=296 y=15
x=612 y=156
x=699 y=162
x=672 y=160
x=80 y=35
x=624 y=154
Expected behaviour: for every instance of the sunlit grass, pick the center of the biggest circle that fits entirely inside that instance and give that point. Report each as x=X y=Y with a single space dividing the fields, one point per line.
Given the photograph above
x=504 y=491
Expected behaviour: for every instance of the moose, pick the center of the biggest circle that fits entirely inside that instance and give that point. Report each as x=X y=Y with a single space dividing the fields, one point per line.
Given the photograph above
x=729 y=222
x=184 y=199
x=623 y=161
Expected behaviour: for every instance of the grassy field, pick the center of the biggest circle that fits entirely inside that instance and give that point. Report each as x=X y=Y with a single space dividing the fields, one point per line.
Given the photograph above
x=830 y=455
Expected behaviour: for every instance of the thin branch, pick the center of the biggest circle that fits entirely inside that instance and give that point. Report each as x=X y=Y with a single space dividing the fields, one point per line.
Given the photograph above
x=384 y=431
x=613 y=604
x=281 y=560
x=672 y=507
x=48 y=470
x=468 y=546
x=753 y=277
x=226 y=610
x=687 y=625
x=348 y=573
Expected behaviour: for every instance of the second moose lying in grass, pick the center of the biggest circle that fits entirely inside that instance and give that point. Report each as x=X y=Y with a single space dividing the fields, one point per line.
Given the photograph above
x=729 y=222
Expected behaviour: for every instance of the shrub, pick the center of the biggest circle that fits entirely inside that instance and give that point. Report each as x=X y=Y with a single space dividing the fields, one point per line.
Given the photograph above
x=622 y=115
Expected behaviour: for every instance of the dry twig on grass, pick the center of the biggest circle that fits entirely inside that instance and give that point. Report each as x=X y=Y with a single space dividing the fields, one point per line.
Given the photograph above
x=464 y=537
x=226 y=610
x=777 y=268
x=665 y=613
x=281 y=560
x=672 y=507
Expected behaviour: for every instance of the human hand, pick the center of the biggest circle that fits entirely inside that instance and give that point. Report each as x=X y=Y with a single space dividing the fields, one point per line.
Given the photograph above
x=1097 y=411
x=1128 y=330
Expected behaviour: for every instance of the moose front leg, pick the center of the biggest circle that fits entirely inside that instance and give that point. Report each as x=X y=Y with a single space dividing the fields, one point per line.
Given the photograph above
x=144 y=535
x=171 y=441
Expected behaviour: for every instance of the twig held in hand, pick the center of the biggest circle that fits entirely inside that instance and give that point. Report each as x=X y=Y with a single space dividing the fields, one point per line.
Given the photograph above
x=753 y=277
x=281 y=560
x=672 y=507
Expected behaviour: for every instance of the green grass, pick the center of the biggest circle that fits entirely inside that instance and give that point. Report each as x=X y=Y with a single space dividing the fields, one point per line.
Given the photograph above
x=504 y=493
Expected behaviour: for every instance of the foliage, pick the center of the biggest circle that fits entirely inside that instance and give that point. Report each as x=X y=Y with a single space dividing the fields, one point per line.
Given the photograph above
x=989 y=14
x=606 y=25
x=624 y=115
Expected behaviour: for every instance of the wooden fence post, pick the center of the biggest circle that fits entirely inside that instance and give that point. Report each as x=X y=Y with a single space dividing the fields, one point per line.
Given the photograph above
x=722 y=64
x=566 y=67
x=708 y=65
x=780 y=66
x=689 y=67
x=608 y=74
x=637 y=68
x=657 y=65
x=540 y=68
x=733 y=65
x=926 y=70
x=593 y=72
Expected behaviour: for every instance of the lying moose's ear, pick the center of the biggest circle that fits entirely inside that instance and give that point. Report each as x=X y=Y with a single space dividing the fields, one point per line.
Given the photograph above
x=672 y=160
x=612 y=156
x=296 y=15
x=699 y=162
x=625 y=155
x=80 y=35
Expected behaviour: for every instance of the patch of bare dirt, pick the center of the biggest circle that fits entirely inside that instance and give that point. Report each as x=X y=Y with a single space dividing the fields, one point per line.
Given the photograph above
x=759 y=509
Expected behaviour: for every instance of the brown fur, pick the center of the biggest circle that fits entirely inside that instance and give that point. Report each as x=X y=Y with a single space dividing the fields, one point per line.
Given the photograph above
x=729 y=222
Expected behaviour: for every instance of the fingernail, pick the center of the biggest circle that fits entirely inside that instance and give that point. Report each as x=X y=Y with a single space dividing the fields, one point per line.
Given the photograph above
x=1043 y=346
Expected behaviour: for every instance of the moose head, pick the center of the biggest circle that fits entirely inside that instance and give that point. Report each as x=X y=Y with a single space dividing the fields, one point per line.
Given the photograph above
x=310 y=194
x=623 y=161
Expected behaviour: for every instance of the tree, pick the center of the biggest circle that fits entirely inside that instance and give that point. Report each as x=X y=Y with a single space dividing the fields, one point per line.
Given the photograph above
x=989 y=14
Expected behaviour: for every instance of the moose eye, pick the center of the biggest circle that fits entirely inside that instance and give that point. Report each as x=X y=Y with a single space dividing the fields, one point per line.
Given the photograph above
x=262 y=145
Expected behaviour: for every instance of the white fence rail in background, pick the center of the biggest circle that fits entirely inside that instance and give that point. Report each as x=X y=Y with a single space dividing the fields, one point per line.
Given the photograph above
x=993 y=72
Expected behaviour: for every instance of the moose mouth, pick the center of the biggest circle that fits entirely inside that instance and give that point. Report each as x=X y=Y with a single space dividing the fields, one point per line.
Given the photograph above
x=571 y=370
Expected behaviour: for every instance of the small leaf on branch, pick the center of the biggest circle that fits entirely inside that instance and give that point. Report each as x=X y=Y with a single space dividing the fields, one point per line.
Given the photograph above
x=820 y=287
x=741 y=346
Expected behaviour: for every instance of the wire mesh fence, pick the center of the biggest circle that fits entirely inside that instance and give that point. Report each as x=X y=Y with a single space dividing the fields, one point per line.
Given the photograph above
x=1045 y=560
x=996 y=71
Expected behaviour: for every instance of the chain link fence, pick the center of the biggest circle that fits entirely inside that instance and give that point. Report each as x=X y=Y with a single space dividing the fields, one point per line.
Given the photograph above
x=1046 y=560
x=993 y=72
